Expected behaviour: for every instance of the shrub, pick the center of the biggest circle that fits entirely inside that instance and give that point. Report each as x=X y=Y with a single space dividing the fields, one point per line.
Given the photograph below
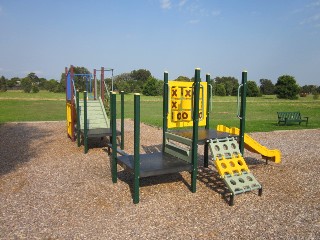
x=35 y=89
x=26 y=85
x=220 y=90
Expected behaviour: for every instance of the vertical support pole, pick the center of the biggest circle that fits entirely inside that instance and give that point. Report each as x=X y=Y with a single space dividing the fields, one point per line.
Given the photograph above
x=136 y=148
x=165 y=109
x=94 y=84
x=112 y=80
x=66 y=86
x=122 y=120
x=66 y=83
x=243 y=111
x=85 y=122
x=196 y=94
x=102 y=84
x=208 y=101
x=113 y=109
x=206 y=146
x=73 y=137
x=78 y=119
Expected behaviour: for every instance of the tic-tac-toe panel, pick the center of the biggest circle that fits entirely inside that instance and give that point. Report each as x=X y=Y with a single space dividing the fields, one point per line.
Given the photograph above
x=181 y=104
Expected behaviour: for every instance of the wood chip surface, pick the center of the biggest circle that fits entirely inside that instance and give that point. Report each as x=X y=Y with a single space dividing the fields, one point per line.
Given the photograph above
x=50 y=189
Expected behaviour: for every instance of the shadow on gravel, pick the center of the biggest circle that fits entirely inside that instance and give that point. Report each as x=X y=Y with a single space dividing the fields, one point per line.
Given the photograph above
x=127 y=177
x=213 y=181
x=254 y=162
x=16 y=146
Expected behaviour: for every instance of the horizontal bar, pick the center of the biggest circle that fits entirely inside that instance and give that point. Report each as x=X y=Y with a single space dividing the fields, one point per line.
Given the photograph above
x=108 y=69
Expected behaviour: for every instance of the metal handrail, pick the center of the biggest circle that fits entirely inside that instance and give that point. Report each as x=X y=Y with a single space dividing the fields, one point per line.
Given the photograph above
x=238 y=102
x=107 y=90
x=74 y=91
x=211 y=96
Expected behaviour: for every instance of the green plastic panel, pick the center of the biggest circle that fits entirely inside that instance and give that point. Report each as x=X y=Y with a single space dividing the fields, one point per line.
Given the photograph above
x=225 y=147
x=241 y=183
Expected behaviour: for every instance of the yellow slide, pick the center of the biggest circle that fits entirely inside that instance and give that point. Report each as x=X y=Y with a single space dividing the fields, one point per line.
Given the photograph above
x=254 y=146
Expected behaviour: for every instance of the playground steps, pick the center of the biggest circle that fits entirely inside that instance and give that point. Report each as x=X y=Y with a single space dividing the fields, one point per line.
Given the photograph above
x=96 y=115
x=232 y=167
x=253 y=146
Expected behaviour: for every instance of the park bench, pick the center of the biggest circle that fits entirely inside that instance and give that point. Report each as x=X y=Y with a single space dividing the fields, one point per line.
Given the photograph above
x=289 y=117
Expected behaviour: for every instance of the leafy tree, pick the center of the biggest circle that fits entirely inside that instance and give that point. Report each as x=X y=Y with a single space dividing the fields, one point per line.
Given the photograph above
x=308 y=89
x=42 y=82
x=26 y=85
x=80 y=81
x=230 y=84
x=286 y=87
x=13 y=82
x=152 y=87
x=51 y=85
x=140 y=75
x=183 y=79
x=252 y=89
x=35 y=89
x=3 y=84
x=220 y=90
x=124 y=82
x=62 y=83
x=33 y=77
x=266 y=87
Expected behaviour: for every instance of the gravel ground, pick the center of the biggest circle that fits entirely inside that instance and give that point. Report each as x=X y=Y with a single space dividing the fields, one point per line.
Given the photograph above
x=49 y=189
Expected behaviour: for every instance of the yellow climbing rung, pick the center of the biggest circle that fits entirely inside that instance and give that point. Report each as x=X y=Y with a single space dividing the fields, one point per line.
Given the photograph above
x=236 y=164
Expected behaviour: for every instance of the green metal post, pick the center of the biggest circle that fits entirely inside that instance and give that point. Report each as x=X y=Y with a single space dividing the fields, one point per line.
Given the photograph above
x=113 y=111
x=195 y=130
x=78 y=119
x=85 y=123
x=208 y=101
x=122 y=120
x=165 y=109
x=206 y=146
x=243 y=112
x=136 y=147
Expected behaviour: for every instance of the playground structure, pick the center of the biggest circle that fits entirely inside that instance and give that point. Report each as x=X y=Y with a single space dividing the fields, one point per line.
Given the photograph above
x=189 y=106
x=87 y=117
x=179 y=153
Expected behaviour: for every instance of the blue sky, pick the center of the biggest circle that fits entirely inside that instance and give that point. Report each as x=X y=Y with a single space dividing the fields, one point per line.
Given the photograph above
x=267 y=38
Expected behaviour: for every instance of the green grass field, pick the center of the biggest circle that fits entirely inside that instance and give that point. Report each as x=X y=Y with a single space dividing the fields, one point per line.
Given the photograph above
x=17 y=106
x=261 y=112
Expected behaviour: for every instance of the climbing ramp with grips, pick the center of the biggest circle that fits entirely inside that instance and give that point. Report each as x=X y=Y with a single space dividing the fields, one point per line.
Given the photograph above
x=232 y=167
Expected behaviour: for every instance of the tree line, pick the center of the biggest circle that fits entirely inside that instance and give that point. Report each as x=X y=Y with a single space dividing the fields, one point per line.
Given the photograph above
x=30 y=83
x=141 y=80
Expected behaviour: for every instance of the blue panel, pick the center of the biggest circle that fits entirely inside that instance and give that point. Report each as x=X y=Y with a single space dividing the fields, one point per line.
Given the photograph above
x=69 y=90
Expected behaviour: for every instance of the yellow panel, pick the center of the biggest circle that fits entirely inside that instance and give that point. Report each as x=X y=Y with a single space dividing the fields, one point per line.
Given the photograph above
x=186 y=104
x=187 y=92
x=175 y=104
x=231 y=166
x=181 y=116
x=180 y=104
x=174 y=116
x=175 y=92
x=69 y=120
